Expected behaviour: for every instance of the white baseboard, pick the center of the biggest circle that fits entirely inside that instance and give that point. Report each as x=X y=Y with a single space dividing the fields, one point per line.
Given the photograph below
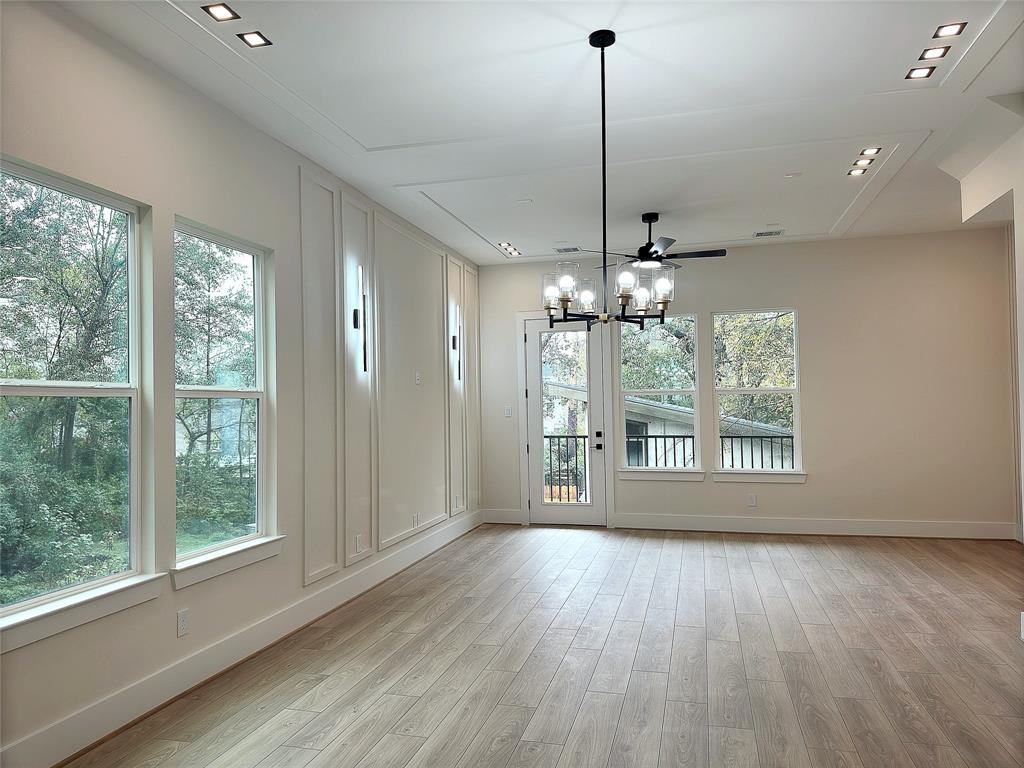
x=57 y=741
x=503 y=516
x=947 y=529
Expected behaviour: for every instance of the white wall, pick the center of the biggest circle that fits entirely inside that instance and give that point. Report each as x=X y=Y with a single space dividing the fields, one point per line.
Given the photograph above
x=998 y=175
x=906 y=388
x=77 y=103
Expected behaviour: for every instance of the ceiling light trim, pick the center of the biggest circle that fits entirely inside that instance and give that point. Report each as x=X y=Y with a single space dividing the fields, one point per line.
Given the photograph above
x=262 y=41
x=233 y=15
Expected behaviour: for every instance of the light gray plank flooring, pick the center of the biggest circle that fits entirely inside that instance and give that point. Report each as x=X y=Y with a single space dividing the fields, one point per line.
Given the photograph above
x=552 y=647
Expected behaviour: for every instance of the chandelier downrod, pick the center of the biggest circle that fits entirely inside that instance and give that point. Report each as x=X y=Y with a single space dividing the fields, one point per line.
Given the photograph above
x=564 y=290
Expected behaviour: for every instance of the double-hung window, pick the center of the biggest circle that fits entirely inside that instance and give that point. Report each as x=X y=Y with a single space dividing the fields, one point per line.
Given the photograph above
x=757 y=391
x=659 y=394
x=219 y=391
x=69 y=401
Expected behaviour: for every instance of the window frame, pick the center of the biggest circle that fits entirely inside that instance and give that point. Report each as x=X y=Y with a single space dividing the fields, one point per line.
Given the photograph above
x=258 y=393
x=794 y=391
x=624 y=470
x=130 y=389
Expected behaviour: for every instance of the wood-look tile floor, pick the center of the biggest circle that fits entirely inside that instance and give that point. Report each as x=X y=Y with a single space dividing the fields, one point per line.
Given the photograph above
x=557 y=648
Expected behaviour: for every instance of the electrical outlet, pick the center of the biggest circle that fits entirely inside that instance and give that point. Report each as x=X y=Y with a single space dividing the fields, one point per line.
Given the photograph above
x=508 y=411
x=183 y=622
x=359 y=543
x=419 y=378
x=751 y=499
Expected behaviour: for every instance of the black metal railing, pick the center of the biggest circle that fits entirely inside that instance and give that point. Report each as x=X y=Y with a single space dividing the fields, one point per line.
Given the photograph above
x=659 y=450
x=756 y=452
x=565 y=468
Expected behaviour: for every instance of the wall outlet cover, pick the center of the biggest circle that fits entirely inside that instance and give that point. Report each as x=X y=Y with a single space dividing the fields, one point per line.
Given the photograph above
x=183 y=622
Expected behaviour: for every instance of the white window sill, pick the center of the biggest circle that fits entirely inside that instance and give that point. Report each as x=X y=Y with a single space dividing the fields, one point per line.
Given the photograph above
x=758 y=476
x=192 y=570
x=658 y=473
x=63 y=613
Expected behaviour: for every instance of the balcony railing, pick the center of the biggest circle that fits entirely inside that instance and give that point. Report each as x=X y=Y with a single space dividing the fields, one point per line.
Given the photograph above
x=756 y=452
x=565 y=469
x=660 y=451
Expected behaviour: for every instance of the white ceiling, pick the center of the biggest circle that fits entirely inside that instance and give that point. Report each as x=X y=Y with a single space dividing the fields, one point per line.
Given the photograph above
x=452 y=113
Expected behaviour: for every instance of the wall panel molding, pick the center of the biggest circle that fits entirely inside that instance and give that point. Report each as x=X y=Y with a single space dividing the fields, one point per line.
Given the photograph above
x=357 y=332
x=323 y=379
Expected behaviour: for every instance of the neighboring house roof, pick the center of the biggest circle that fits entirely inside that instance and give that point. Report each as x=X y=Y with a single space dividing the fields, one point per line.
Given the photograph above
x=645 y=408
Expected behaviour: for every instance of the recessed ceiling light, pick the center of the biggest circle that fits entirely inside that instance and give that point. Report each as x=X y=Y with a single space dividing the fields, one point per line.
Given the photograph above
x=868 y=151
x=950 y=30
x=254 y=39
x=934 y=53
x=504 y=245
x=794 y=175
x=221 y=12
x=919 y=73
x=525 y=200
x=864 y=161
x=515 y=252
x=856 y=171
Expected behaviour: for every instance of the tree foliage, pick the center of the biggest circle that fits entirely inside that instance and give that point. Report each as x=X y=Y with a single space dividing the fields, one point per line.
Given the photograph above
x=65 y=514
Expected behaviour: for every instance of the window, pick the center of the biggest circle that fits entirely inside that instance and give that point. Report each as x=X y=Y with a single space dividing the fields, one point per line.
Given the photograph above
x=219 y=391
x=68 y=396
x=756 y=390
x=659 y=390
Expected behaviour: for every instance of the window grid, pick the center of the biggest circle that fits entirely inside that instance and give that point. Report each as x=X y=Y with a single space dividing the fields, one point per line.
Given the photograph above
x=691 y=442
x=98 y=389
x=756 y=455
x=257 y=393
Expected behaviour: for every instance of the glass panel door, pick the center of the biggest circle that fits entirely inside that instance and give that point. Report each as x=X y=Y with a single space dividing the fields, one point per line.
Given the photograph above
x=566 y=440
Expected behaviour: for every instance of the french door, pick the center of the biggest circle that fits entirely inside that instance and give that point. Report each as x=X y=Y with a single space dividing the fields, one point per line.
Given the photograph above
x=565 y=414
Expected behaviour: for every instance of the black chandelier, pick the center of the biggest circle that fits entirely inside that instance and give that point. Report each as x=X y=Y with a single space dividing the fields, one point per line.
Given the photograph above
x=645 y=283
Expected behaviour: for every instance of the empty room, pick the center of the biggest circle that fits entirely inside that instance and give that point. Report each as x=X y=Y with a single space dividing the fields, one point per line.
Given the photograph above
x=488 y=384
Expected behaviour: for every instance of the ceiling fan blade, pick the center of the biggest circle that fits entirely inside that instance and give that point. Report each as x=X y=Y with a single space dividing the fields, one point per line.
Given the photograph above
x=662 y=244
x=696 y=255
x=610 y=253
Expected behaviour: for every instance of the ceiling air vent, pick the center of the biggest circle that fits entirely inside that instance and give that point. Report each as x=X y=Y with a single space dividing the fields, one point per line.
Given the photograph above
x=770 y=233
x=568 y=249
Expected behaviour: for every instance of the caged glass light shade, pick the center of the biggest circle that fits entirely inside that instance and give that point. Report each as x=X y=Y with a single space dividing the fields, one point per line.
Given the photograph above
x=664 y=283
x=643 y=294
x=549 y=290
x=587 y=299
x=568 y=279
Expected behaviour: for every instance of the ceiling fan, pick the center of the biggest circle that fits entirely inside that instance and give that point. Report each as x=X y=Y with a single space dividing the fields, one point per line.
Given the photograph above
x=653 y=253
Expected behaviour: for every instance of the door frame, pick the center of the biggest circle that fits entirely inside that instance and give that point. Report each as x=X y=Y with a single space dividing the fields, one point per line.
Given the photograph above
x=611 y=428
